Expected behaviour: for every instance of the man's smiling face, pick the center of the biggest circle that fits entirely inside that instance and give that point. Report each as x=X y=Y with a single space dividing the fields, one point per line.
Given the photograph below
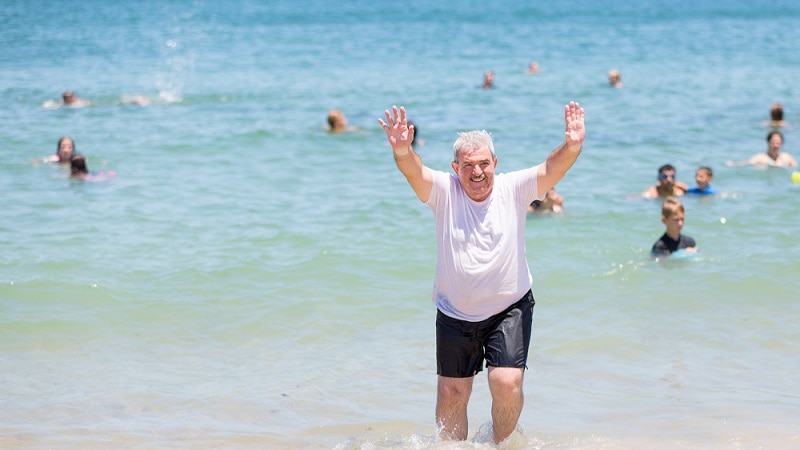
x=475 y=171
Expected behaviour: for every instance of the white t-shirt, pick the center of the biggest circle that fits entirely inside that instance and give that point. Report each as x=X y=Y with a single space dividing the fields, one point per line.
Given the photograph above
x=481 y=267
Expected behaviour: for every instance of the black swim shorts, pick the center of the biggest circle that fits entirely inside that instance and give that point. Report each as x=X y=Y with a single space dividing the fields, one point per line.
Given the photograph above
x=502 y=340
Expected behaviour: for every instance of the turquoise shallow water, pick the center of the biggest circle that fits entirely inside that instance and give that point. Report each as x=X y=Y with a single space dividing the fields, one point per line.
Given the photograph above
x=247 y=280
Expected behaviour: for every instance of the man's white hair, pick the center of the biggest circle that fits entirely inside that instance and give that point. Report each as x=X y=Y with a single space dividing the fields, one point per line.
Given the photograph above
x=473 y=140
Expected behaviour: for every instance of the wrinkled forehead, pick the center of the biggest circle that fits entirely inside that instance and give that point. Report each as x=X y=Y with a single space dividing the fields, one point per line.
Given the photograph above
x=466 y=154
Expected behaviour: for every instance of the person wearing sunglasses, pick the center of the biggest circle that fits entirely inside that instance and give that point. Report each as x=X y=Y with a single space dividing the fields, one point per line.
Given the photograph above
x=666 y=184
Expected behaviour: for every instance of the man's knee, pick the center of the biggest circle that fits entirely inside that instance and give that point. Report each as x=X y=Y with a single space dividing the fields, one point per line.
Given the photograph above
x=454 y=389
x=505 y=381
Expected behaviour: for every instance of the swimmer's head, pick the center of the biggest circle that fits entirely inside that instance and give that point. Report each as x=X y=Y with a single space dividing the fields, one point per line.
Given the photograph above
x=65 y=149
x=68 y=97
x=336 y=120
x=78 y=165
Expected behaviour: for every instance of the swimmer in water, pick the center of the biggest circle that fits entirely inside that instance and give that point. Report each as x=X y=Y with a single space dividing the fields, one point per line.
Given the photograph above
x=79 y=170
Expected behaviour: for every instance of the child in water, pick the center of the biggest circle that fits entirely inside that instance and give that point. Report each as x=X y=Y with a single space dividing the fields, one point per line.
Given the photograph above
x=78 y=169
x=553 y=202
x=672 y=215
x=703 y=177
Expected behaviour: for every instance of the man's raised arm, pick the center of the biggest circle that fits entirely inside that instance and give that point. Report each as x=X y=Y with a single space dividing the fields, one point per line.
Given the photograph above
x=400 y=136
x=562 y=158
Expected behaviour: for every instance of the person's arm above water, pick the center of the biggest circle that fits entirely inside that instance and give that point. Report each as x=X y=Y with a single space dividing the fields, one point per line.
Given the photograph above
x=788 y=160
x=562 y=158
x=651 y=192
x=755 y=160
x=400 y=136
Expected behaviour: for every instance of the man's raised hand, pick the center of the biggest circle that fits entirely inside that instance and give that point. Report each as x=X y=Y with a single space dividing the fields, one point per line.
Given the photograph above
x=398 y=132
x=576 y=130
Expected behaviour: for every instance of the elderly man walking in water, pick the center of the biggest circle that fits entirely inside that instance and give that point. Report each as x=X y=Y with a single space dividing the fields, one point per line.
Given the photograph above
x=482 y=285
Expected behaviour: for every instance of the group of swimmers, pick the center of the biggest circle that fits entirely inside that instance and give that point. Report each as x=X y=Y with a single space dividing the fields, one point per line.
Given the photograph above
x=669 y=189
x=70 y=100
x=673 y=211
x=66 y=155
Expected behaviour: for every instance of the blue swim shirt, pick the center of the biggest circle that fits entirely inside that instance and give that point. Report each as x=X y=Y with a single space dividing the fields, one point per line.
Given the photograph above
x=707 y=191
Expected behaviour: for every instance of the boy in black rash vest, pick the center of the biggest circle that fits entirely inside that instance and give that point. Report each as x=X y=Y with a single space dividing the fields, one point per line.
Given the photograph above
x=672 y=215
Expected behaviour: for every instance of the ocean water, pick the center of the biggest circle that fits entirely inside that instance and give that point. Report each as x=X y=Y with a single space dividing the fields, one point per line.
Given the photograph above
x=248 y=280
